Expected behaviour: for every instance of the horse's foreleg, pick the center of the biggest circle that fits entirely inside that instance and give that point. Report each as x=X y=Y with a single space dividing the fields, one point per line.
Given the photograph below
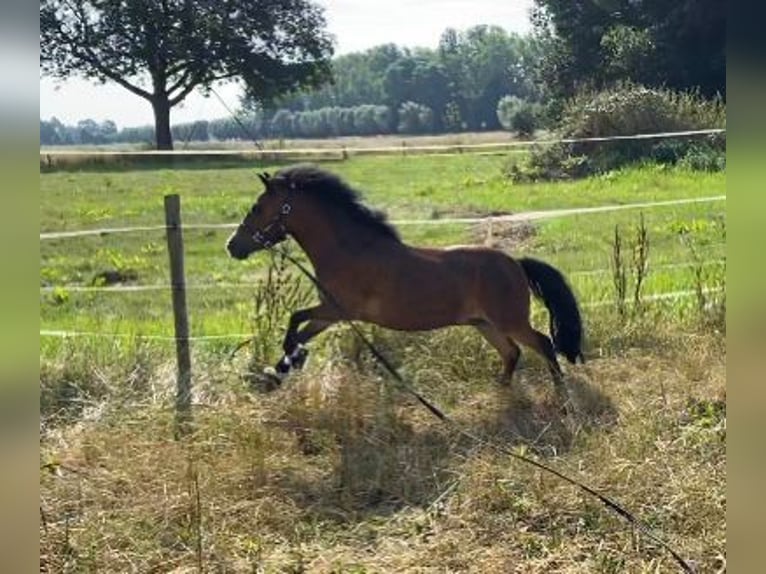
x=296 y=319
x=312 y=329
x=289 y=343
x=319 y=318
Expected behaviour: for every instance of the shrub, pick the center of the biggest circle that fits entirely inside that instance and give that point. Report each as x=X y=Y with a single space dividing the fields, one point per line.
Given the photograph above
x=549 y=162
x=704 y=158
x=370 y=119
x=629 y=109
x=519 y=115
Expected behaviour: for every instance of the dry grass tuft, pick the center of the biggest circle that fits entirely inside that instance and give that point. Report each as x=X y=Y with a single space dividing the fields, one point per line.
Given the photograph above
x=336 y=472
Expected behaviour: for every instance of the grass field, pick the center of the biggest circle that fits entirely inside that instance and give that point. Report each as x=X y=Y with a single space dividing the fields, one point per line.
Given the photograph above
x=336 y=473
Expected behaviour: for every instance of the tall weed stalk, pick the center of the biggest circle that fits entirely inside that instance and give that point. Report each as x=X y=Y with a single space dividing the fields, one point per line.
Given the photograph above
x=632 y=272
x=278 y=294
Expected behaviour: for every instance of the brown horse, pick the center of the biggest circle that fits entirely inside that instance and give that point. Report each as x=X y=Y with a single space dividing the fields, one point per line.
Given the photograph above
x=367 y=273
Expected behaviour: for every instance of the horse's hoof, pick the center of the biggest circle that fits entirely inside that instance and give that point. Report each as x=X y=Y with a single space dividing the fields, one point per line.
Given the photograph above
x=298 y=357
x=266 y=381
x=282 y=367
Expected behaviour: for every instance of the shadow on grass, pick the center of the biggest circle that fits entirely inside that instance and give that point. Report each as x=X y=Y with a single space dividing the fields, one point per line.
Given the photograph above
x=330 y=453
x=545 y=419
x=381 y=452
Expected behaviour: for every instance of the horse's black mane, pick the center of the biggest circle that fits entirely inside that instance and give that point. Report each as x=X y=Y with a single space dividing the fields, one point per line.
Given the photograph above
x=332 y=191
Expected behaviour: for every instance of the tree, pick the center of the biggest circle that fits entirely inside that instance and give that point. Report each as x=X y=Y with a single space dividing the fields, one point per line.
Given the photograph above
x=88 y=132
x=370 y=119
x=431 y=88
x=282 y=123
x=595 y=43
x=419 y=79
x=629 y=53
x=518 y=115
x=357 y=80
x=52 y=132
x=415 y=118
x=483 y=64
x=397 y=82
x=192 y=131
x=176 y=46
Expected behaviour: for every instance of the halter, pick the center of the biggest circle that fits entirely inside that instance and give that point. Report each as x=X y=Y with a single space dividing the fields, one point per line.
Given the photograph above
x=273 y=232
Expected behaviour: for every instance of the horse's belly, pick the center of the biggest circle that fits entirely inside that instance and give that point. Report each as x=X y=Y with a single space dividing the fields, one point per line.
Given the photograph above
x=426 y=291
x=416 y=309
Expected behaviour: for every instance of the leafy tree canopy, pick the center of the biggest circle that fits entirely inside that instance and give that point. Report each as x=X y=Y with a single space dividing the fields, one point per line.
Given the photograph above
x=680 y=44
x=161 y=51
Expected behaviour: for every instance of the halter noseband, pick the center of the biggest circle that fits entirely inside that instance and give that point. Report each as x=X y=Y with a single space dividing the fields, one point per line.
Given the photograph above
x=265 y=236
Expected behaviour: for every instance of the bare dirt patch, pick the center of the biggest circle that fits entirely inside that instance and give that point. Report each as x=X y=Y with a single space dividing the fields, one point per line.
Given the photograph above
x=495 y=233
x=509 y=236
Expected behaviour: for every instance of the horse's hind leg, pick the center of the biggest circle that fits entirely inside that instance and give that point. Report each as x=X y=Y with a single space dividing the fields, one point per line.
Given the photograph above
x=509 y=351
x=540 y=343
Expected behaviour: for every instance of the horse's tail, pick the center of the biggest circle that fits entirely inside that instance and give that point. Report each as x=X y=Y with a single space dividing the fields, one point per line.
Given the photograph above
x=548 y=284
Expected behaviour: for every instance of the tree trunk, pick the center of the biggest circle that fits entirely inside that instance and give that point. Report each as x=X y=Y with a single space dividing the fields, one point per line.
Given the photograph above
x=162 y=134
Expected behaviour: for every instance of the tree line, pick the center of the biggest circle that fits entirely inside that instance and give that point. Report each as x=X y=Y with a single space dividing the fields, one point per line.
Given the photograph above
x=386 y=89
x=482 y=78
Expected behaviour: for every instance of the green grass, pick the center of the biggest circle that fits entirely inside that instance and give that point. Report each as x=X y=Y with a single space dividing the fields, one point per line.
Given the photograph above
x=336 y=472
x=407 y=188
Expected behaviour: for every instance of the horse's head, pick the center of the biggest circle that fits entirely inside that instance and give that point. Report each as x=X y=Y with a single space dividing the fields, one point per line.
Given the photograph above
x=265 y=223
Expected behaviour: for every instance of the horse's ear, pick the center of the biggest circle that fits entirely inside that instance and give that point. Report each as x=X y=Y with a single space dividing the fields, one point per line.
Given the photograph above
x=264 y=177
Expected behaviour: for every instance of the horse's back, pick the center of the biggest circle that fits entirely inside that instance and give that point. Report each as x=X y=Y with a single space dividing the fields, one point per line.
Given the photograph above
x=473 y=255
x=484 y=271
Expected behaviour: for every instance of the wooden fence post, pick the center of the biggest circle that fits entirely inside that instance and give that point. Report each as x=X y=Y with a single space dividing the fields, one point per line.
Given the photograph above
x=181 y=318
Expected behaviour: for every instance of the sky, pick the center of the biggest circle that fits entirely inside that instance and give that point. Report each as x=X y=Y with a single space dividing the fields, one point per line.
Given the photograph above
x=355 y=24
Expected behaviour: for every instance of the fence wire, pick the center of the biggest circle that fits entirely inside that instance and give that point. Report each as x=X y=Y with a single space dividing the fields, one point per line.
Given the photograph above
x=380 y=149
x=510 y=218
x=65 y=334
